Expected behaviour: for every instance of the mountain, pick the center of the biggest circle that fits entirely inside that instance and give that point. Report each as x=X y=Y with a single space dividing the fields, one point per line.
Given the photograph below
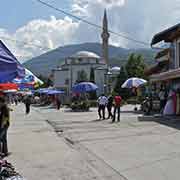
x=44 y=63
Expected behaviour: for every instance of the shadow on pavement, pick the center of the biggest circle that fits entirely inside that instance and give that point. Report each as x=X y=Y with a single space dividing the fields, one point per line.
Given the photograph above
x=71 y=111
x=170 y=121
x=132 y=112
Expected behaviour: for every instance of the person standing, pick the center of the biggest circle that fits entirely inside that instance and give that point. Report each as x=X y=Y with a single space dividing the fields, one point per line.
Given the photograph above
x=4 y=125
x=117 y=105
x=102 y=102
x=27 y=103
x=162 y=99
x=109 y=107
x=58 y=103
x=16 y=100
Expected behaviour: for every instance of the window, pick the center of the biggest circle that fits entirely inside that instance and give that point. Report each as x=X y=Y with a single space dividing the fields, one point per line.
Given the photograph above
x=177 y=55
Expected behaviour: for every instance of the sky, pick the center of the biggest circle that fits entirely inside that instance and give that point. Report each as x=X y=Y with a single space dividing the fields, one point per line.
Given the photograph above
x=43 y=29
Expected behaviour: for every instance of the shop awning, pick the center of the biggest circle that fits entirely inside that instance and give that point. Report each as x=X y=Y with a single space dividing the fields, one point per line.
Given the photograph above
x=167 y=35
x=168 y=75
x=8 y=86
x=10 y=67
x=162 y=53
x=157 y=68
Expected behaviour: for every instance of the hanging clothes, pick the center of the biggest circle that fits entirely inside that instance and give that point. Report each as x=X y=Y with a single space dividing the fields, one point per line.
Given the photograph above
x=170 y=107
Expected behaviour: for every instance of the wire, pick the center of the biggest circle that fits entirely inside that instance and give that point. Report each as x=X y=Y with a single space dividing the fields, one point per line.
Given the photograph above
x=92 y=24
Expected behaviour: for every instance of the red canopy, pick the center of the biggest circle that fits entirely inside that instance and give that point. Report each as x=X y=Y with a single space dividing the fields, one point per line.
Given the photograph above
x=8 y=86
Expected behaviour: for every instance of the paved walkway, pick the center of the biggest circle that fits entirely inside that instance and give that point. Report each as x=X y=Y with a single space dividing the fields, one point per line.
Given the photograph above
x=38 y=153
x=51 y=144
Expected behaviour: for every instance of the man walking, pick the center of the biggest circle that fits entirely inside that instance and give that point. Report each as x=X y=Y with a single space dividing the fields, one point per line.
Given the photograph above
x=117 y=101
x=27 y=103
x=109 y=107
x=102 y=102
x=58 y=103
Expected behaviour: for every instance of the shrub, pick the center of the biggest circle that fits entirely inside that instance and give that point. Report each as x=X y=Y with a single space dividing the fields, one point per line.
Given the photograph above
x=80 y=106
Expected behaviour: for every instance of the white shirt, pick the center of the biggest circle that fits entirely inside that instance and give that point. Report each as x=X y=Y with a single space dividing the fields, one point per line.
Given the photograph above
x=102 y=100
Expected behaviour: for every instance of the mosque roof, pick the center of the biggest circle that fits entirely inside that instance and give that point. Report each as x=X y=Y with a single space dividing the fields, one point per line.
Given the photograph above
x=85 y=54
x=116 y=68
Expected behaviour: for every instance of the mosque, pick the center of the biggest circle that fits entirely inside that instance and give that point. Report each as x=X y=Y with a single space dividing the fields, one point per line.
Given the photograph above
x=79 y=66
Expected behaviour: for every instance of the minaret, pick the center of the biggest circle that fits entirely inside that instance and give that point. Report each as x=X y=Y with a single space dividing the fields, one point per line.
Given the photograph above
x=105 y=37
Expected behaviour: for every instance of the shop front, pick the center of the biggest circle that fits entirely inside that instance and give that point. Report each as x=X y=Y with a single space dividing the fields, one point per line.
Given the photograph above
x=165 y=74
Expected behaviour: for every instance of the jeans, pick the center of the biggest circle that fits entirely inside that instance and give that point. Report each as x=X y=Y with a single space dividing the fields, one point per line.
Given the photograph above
x=27 y=108
x=3 y=140
x=116 y=108
x=109 y=108
x=101 y=108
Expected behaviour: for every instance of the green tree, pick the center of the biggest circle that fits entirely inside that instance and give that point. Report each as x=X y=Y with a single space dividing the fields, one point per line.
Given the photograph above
x=121 y=78
x=81 y=76
x=135 y=66
x=93 y=94
x=47 y=81
x=92 y=76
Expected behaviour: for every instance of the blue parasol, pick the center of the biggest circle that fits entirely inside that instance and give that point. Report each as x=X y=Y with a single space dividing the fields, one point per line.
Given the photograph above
x=133 y=83
x=84 y=87
x=53 y=92
x=42 y=90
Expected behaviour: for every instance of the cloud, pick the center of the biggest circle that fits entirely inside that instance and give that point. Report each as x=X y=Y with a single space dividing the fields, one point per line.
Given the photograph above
x=138 y=19
x=111 y=3
x=40 y=36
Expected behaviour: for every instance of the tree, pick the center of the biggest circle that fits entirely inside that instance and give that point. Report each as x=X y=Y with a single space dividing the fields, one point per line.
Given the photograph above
x=47 y=81
x=81 y=76
x=121 y=78
x=92 y=76
x=93 y=94
x=135 y=66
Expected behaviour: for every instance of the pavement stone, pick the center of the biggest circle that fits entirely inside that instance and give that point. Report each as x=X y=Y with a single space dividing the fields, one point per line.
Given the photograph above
x=53 y=144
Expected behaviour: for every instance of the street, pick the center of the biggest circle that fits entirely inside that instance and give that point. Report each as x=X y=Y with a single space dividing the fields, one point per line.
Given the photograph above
x=64 y=145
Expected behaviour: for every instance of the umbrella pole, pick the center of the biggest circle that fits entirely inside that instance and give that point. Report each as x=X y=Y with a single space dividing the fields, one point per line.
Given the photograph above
x=135 y=108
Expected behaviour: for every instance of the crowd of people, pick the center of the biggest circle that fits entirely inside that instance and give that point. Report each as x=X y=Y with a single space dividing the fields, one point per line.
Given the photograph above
x=168 y=101
x=109 y=102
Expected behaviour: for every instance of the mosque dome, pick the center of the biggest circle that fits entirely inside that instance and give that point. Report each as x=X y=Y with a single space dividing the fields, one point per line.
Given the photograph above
x=85 y=54
x=115 y=69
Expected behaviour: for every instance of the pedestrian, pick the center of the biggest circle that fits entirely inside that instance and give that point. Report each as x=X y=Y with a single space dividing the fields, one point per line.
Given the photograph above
x=27 y=103
x=4 y=125
x=109 y=107
x=162 y=98
x=117 y=105
x=16 y=100
x=58 y=103
x=102 y=102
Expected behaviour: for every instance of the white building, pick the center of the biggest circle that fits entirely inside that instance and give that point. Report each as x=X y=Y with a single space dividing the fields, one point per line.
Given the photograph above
x=82 y=62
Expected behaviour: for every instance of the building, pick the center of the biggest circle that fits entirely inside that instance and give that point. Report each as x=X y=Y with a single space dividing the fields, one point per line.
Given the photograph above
x=166 y=71
x=79 y=66
x=167 y=67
